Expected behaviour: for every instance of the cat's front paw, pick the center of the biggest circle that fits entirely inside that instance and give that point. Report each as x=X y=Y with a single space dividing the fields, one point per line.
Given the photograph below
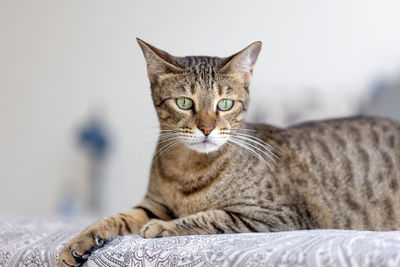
x=158 y=228
x=78 y=250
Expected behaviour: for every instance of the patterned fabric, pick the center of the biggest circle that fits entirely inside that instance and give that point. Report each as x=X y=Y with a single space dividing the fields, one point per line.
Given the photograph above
x=34 y=242
x=37 y=243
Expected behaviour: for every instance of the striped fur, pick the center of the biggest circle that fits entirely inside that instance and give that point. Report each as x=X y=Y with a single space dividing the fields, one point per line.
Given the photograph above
x=342 y=174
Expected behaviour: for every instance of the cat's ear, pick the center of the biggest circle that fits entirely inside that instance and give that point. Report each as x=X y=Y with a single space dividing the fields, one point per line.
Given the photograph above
x=242 y=63
x=158 y=61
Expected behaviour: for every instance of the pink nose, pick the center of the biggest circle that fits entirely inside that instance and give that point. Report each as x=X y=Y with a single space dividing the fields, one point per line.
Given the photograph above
x=206 y=129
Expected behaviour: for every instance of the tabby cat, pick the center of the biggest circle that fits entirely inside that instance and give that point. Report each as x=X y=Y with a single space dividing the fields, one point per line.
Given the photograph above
x=213 y=173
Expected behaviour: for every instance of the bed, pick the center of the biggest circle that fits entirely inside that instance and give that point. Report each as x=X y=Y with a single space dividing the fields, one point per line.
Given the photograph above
x=37 y=242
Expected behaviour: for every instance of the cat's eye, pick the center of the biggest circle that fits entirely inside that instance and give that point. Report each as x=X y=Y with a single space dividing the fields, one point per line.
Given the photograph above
x=184 y=103
x=225 y=104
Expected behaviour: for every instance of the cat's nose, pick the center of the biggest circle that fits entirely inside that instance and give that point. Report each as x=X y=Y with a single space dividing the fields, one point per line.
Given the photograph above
x=206 y=129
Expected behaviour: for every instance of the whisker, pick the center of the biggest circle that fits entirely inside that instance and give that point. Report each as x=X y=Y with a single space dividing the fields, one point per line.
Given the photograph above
x=255 y=148
x=170 y=139
x=155 y=128
x=259 y=149
x=238 y=150
x=260 y=140
x=168 y=147
x=250 y=150
x=165 y=147
x=268 y=149
x=224 y=146
x=161 y=136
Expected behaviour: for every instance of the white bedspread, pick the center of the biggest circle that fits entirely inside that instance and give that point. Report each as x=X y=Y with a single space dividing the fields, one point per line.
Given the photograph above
x=37 y=243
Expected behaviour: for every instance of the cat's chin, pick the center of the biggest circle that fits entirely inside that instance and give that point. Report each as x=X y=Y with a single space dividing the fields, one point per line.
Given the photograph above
x=204 y=147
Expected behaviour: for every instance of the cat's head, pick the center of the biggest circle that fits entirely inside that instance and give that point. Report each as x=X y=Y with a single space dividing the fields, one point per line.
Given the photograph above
x=199 y=99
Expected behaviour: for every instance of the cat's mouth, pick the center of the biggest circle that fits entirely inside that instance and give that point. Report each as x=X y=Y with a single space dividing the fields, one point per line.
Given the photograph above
x=204 y=146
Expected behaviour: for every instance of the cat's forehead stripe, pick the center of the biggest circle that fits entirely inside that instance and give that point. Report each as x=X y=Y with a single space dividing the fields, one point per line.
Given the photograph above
x=201 y=64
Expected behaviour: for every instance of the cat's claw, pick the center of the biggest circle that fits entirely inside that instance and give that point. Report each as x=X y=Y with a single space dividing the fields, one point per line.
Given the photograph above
x=99 y=242
x=79 y=249
x=83 y=257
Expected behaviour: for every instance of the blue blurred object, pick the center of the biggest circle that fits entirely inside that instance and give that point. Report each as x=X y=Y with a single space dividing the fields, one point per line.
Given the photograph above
x=94 y=138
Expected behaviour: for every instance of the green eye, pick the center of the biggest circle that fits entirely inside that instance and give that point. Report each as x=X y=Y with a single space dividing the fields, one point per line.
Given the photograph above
x=184 y=103
x=225 y=104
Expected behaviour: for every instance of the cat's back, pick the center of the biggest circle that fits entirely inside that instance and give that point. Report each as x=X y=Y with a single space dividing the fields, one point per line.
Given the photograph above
x=350 y=170
x=353 y=134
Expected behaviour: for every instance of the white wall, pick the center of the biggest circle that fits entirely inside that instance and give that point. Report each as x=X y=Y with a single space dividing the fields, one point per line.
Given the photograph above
x=59 y=60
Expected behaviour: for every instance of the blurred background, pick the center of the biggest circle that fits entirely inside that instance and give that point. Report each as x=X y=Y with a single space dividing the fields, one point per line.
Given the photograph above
x=75 y=106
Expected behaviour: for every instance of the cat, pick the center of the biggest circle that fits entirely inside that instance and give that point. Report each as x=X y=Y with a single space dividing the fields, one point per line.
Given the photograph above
x=212 y=173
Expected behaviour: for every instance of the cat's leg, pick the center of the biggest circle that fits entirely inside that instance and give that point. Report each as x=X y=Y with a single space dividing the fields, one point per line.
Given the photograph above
x=77 y=251
x=213 y=222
